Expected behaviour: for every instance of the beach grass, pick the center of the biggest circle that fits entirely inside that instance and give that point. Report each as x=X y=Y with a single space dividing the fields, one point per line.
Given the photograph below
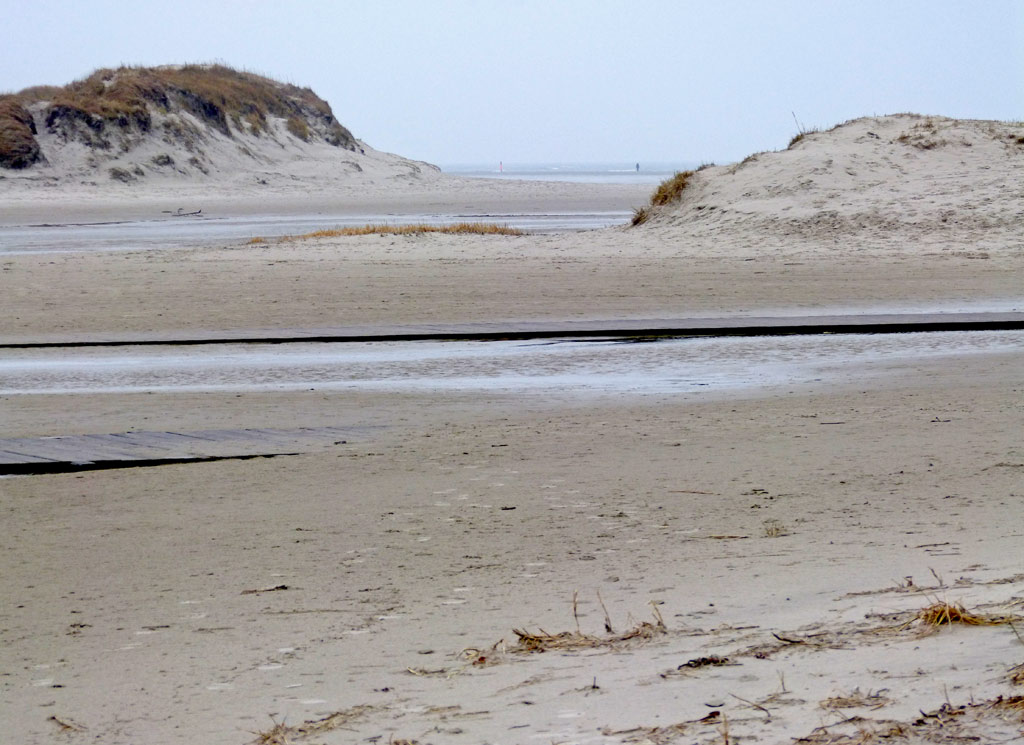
x=18 y=146
x=799 y=136
x=214 y=93
x=461 y=228
x=671 y=190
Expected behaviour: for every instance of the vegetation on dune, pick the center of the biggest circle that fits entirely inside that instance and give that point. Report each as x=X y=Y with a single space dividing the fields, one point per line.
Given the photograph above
x=299 y=128
x=215 y=94
x=640 y=215
x=18 y=145
x=671 y=190
x=228 y=100
x=475 y=228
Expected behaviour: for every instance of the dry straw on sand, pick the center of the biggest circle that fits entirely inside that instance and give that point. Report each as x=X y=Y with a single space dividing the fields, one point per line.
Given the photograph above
x=941 y=613
x=856 y=699
x=542 y=641
x=1017 y=674
x=283 y=734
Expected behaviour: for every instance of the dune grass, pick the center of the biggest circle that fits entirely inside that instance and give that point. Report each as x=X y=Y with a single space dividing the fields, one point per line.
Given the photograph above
x=671 y=190
x=18 y=145
x=215 y=94
x=640 y=215
x=461 y=228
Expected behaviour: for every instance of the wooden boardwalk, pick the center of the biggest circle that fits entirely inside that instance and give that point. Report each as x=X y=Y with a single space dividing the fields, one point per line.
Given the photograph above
x=846 y=323
x=125 y=449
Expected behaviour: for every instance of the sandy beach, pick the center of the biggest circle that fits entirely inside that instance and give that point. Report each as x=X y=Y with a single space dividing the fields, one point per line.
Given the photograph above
x=505 y=567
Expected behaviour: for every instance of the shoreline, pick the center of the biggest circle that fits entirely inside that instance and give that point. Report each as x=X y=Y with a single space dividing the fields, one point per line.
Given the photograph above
x=448 y=193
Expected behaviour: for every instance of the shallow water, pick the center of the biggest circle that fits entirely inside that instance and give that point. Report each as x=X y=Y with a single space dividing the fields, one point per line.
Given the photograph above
x=181 y=232
x=566 y=368
x=580 y=173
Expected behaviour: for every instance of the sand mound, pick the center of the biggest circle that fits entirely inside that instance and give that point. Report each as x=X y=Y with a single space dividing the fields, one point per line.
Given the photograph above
x=923 y=181
x=183 y=124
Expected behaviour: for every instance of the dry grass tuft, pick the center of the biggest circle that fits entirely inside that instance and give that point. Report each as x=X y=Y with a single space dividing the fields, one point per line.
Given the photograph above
x=1017 y=674
x=566 y=641
x=671 y=190
x=799 y=136
x=640 y=216
x=462 y=228
x=18 y=145
x=299 y=128
x=648 y=735
x=1014 y=703
x=944 y=614
x=856 y=699
x=542 y=641
x=282 y=734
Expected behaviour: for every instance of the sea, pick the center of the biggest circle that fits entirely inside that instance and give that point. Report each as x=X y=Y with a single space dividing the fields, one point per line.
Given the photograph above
x=582 y=173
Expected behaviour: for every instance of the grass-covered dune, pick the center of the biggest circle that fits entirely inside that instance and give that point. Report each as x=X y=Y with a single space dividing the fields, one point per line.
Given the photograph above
x=114 y=109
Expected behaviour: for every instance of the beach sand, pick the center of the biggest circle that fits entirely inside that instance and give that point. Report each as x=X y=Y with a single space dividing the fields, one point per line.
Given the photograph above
x=762 y=557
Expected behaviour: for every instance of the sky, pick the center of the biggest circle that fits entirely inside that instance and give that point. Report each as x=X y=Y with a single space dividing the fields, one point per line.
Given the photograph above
x=570 y=81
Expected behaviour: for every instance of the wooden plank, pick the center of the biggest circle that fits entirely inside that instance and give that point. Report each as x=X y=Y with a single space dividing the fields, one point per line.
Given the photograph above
x=10 y=456
x=164 y=446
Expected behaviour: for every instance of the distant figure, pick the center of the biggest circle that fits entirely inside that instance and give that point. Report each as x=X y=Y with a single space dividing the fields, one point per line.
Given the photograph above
x=638 y=168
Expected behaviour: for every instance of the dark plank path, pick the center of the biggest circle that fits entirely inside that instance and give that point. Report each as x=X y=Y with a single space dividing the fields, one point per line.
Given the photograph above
x=127 y=449
x=853 y=323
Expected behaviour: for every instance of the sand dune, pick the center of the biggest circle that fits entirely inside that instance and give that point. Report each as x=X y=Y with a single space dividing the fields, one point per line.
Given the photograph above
x=900 y=184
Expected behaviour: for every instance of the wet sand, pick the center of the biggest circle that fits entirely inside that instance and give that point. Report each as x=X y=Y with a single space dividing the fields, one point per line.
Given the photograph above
x=143 y=601
x=375 y=281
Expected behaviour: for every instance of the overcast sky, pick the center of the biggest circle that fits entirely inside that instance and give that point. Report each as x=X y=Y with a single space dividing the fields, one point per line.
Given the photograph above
x=561 y=81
